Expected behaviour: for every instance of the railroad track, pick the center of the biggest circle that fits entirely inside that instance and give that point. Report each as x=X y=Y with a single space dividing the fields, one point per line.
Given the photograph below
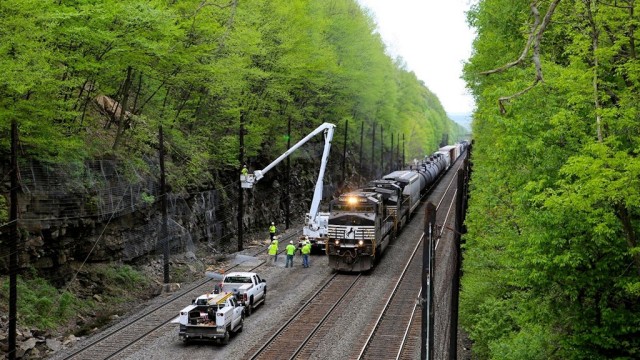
x=290 y=340
x=125 y=338
x=391 y=335
x=387 y=332
x=395 y=334
x=300 y=335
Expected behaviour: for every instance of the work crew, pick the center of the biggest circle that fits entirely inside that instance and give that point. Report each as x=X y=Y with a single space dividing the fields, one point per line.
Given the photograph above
x=244 y=170
x=291 y=250
x=272 y=230
x=273 y=249
x=306 y=250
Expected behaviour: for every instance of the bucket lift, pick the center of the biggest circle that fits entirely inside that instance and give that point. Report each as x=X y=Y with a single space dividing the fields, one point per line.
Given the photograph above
x=315 y=223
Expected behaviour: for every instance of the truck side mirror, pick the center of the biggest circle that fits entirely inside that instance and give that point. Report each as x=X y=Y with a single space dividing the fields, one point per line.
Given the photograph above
x=263 y=280
x=193 y=301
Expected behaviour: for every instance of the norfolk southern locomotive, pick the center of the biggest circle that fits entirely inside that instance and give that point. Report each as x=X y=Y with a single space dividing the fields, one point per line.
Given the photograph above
x=363 y=222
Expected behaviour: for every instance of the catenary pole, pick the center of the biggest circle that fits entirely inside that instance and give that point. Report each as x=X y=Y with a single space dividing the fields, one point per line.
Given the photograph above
x=381 y=150
x=403 y=162
x=361 y=145
x=287 y=197
x=13 y=247
x=163 y=204
x=372 y=175
x=240 y=190
x=392 y=162
x=344 y=151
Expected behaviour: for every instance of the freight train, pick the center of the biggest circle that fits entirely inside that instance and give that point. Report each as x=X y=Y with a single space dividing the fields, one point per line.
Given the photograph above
x=362 y=223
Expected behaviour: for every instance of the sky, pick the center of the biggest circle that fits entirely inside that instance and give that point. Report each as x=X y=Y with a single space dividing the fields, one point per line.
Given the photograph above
x=434 y=40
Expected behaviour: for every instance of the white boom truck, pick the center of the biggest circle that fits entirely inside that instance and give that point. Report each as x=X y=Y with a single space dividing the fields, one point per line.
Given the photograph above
x=316 y=223
x=211 y=316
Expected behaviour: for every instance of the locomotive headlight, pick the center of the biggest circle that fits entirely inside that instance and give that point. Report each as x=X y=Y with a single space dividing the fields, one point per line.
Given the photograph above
x=360 y=242
x=352 y=200
x=337 y=242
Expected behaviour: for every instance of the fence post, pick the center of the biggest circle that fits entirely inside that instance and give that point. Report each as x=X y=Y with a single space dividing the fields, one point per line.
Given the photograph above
x=13 y=238
x=426 y=350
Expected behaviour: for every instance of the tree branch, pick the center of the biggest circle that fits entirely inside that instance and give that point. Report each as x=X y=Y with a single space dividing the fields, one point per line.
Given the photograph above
x=535 y=37
x=506 y=99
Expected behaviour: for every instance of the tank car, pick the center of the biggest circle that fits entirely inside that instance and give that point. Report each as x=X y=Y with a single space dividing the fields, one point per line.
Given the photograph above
x=363 y=222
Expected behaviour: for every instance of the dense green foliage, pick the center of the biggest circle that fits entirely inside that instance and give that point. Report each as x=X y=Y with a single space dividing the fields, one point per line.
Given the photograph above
x=552 y=266
x=41 y=304
x=199 y=68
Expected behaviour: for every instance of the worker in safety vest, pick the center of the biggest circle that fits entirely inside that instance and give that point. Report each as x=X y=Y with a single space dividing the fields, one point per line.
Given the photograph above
x=301 y=243
x=273 y=249
x=244 y=170
x=291 y=250
x=306 y=250
x=272 y=230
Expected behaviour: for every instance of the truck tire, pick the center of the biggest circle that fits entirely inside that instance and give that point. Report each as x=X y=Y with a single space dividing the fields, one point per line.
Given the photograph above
x=249 y=309
x=241 y=326
x=225 y=340
x=264 y=297
x=251 y=304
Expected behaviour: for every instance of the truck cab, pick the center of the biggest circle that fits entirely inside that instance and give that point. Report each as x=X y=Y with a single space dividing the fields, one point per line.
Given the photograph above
x=248 y=288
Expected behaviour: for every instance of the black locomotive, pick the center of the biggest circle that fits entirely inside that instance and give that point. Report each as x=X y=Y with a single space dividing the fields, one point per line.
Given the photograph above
x=363 y=222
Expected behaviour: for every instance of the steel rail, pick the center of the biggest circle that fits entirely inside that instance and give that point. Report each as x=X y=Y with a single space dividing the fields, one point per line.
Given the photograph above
x=322 y=321
x=275 y=335
x=386 y=305
x=406 y=332
x=146 y=314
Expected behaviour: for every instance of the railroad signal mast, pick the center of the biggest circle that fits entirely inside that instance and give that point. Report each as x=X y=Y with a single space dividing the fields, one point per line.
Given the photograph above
x=316 y=223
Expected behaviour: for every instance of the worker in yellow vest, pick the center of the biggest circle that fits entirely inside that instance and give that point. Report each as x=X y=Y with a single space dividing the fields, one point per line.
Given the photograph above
x=306 y=250
x=291 y=250
x=244 y=170
x=273 y=249
x=272 y=230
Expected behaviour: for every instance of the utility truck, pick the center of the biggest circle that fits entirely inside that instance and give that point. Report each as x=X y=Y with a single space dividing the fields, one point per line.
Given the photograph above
x=316 y=223
x=247 y=287
x=211 y=317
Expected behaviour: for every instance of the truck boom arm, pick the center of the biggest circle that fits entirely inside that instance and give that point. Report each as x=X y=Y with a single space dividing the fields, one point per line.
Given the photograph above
x=250 y=179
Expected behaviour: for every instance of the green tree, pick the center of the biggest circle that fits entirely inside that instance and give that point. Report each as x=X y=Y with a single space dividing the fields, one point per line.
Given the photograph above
x=554 y=211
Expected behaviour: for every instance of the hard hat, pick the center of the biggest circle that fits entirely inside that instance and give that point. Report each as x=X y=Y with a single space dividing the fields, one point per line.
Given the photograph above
x=275 y=238
x=290 y=241
x=272 y=223
x=306 y=238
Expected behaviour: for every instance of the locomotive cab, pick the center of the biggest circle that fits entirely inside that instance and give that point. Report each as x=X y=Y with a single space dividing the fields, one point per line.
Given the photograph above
x=358 y=230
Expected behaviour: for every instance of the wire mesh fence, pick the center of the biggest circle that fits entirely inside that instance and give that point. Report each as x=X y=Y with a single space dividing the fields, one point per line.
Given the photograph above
x=117 y=203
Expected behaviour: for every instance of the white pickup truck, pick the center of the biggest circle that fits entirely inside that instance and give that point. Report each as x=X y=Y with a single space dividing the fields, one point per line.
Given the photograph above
x=211 y=316
x=248 y=288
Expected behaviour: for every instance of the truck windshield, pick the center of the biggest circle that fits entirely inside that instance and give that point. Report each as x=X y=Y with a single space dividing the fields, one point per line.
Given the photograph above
x=237 y=280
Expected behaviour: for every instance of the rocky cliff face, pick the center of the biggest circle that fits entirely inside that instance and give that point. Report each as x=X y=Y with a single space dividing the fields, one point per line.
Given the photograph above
x=100 y=212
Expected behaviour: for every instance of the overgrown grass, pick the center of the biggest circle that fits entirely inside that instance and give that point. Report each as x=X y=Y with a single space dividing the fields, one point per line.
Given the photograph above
x=122 y=276
x=120 y=284
x=40 y=304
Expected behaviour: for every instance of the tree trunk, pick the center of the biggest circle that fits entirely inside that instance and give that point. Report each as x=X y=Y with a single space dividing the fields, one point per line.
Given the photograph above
x=123 y=109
